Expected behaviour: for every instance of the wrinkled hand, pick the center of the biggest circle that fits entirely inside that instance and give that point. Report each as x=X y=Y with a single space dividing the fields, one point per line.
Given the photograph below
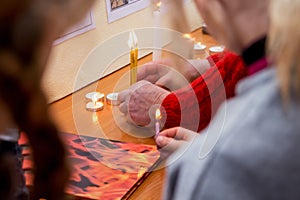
x=167 y=74
x=169 y=140
x=137 y=101
x=153 y=71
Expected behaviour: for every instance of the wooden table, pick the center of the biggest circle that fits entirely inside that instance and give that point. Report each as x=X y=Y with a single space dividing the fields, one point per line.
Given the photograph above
x=71 y=116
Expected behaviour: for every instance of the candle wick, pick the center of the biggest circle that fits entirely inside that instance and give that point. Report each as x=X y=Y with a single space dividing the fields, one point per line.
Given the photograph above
x=94 y=99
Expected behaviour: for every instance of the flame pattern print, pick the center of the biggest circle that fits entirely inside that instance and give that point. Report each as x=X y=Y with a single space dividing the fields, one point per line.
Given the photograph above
x=101 y=168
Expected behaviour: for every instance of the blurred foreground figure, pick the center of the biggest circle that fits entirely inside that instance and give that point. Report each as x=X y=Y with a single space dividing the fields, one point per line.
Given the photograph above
x=254 y=151
x=27 y=30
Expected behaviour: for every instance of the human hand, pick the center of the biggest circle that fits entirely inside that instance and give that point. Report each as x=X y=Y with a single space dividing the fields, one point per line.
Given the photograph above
x=137 y=101
x=167 y=74
x=172 y=139
x=153 y=71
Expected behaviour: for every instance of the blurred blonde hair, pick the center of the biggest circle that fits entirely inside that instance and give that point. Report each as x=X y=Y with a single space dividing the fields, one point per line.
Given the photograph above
x=284 y=44
x=27 y=31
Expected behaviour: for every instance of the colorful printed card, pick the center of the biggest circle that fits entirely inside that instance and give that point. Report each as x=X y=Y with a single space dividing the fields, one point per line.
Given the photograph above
x=101 y=168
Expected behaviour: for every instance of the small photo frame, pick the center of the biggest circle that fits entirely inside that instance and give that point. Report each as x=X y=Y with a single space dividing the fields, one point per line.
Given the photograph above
x=117 y=9
x=86 y=24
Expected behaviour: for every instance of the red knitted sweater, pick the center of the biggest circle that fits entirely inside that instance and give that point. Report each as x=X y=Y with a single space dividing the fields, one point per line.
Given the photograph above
x=191 y=106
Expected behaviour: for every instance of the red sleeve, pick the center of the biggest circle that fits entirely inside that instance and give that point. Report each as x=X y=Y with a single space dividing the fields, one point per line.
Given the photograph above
x=214 y=58
x=191 y=107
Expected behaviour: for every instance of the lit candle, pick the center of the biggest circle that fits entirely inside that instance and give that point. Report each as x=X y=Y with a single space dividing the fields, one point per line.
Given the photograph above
x=99 y=96
x=156 y=38
x=199 y=46
x=216 y=49
x=157 y=117
x=133 y=45
x=189 y=45
x=94 y=99
x=199 y=51
x=112 y=99
x=94 y=105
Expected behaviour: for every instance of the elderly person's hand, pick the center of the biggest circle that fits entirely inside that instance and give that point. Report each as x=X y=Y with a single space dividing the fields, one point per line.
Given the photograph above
x=170 y=75
x=137 y=101
x=172 y=139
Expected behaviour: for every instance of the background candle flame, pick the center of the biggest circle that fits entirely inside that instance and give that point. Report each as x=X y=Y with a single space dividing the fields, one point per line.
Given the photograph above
x=189 y=37
x=186 y=35
x=158 y=5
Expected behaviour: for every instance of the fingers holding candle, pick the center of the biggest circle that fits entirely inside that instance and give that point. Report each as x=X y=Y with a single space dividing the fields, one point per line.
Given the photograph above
x=170 y=140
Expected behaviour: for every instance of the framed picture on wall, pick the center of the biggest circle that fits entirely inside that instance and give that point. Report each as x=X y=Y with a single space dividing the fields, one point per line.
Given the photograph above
x=117 y=9
x=86 y=24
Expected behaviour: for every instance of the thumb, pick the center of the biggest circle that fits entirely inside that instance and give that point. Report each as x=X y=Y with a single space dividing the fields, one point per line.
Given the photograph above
x=168 y=144
x=162 y=141
x=164 y=81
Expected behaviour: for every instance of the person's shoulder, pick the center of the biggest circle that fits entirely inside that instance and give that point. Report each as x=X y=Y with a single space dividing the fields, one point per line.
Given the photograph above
x=265 y=79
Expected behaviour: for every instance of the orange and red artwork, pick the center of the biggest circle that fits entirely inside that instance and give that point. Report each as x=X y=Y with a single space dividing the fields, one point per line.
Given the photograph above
x=101 y=168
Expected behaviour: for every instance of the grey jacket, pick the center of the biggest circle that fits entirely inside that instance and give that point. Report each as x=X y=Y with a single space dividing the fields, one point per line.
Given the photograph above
x=256 y=149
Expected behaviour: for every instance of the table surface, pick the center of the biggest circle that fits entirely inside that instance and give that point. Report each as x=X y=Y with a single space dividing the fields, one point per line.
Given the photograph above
x=71 y=116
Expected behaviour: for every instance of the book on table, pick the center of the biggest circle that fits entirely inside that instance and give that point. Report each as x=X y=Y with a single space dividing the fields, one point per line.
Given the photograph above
x=101 y=168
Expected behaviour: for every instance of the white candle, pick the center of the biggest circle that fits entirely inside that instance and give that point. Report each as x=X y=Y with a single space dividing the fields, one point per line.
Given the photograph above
x=94 y=106
x=156 y=38
x=157 y=128
x=199 y=51
x=189 y=46
x=99 y=96
x=112 y=99
x=216 y=49
x=157 y=117
x=199 y=46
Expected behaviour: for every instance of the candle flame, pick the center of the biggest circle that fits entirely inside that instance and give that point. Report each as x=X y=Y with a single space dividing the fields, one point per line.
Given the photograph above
x=157 y=114
x=189 y=37
x=132 y=41
x=186 y=35
x=158 y=5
